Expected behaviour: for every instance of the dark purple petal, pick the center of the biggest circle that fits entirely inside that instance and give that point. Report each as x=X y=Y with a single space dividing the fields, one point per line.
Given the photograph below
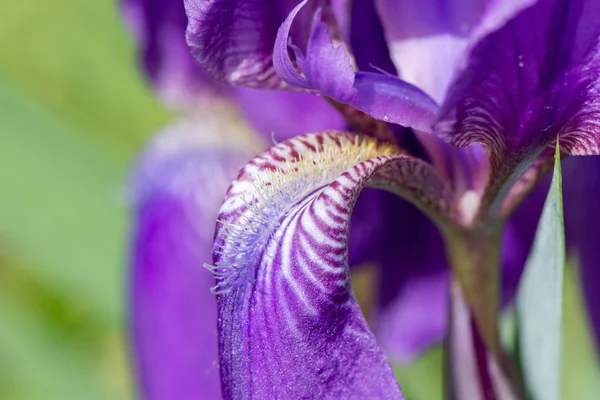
x=367 y=41
x=290 y=325
x=159 y=29
x=430 y=42
x=581 y=190
x=533 y=79
x=178 y=186
x=327 y=70
x=367 y=227
x=233 y=39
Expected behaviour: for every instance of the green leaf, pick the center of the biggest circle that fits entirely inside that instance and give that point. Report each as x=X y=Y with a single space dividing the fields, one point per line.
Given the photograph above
x=580 y=364
x=423 y=378
x=74 y=110
x=540 y=299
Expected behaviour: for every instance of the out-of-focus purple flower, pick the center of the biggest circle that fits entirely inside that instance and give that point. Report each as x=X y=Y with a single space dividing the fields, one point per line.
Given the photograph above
x=505 y=78
x=177 y=187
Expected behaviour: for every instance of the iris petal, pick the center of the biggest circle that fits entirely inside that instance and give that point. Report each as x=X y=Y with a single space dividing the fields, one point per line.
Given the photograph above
x=327 y=69
x=233 y=40
x=178 y=184
x=289 y=324
x=533 y=79
x=430 y=44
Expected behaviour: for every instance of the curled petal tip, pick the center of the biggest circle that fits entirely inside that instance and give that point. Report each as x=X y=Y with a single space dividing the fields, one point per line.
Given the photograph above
x=327 y=69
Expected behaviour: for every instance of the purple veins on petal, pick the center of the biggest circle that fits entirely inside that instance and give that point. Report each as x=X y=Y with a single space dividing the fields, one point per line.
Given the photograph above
x=282 y=269
x=159 y=29
x=534 y=78
x=233 y=40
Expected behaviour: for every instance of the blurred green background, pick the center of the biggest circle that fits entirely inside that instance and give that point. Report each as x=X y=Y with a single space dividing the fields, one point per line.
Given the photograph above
x=74 y=111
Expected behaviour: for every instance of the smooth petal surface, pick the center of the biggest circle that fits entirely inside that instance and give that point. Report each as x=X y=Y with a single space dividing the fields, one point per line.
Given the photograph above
x=428 y=43
x=233 y=39
x=178 y=186
x=281 y=115
x=289 y=323
x=327 y=69
x=533 y=79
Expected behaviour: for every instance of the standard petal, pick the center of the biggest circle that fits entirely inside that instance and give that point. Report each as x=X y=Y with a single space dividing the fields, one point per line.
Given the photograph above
x=535 y=78
x=233 y=40
x=327 y=69
x=178 y=186
x=429 y=45
x=289 y=323
x=367 y=39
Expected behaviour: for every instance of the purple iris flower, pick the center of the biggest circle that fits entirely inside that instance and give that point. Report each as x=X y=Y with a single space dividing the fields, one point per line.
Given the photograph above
x=451 y=107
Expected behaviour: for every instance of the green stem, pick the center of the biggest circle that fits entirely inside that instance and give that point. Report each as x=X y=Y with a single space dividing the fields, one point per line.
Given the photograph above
x=474 y=256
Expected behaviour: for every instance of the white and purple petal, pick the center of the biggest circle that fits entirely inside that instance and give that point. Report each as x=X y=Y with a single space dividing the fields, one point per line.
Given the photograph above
x=289 y=322
x=430 y=44
x=233 y=40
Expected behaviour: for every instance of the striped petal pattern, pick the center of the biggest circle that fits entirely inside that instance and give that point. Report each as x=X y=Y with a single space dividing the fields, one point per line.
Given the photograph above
x=233 y=39
x=289 y=324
